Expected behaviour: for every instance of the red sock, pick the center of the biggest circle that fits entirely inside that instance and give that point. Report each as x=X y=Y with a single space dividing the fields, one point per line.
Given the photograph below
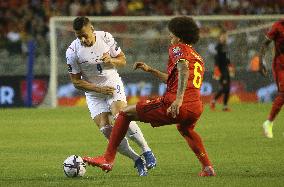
x=117 y=134
x=276 y=107
x=195 y=143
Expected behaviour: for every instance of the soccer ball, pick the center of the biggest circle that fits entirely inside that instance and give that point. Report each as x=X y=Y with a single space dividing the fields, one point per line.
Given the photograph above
x=74 y=166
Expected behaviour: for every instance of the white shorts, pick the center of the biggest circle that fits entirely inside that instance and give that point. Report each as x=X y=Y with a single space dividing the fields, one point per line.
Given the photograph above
x=99 y=103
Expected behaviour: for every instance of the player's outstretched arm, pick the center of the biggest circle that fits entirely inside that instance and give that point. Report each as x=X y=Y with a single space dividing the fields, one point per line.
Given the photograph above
x=141 y=65
x=262 y=65
x=86 y=86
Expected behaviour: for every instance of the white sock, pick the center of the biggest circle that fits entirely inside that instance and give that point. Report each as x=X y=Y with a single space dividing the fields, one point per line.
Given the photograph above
x=135 y=134
x=124 y=147
x=269 y=122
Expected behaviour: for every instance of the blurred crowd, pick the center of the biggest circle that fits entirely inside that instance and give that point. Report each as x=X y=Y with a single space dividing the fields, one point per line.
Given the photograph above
x=21 y=20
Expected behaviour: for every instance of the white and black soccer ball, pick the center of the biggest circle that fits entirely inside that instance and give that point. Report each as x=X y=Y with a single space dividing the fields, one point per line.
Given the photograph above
x=74 y=166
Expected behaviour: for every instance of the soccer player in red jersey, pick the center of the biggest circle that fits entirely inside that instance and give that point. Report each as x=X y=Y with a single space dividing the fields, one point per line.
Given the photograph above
x=181 y=104
x=276 y=34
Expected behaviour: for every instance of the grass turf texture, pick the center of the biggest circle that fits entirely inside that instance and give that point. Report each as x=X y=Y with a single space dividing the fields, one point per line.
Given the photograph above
x=35 y=142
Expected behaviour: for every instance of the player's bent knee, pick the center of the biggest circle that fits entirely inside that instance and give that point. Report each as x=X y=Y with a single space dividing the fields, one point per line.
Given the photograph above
x=182 y=129
x=101 y=125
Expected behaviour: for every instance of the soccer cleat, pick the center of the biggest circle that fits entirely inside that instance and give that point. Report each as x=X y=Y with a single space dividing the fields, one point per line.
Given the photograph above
x=100 y=162
x=267 y=129
x=207 y=171
x=212 y=105
x=140 y=166
x=226 y=109
x=150 y=159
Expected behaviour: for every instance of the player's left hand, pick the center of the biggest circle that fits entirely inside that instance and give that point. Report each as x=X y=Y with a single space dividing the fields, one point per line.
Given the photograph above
x=106 y=58
x=174 y=108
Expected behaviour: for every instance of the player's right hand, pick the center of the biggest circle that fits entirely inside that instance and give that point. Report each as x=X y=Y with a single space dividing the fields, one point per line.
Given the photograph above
x=141 y=65
x=107 y=90
x=106 y=58
x=173 y=110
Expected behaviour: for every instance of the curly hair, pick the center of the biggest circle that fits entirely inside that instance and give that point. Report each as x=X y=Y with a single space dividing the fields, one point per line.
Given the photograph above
x=80 y=22
x=184 y=28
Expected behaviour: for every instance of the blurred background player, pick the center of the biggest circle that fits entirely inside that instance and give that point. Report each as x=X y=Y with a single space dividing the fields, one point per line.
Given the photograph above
x=276 y=34
x=181 y=104
x=222 y=72
x=92 y=59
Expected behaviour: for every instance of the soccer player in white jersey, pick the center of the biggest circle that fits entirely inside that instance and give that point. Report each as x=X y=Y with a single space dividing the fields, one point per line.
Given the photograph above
x=92 y=60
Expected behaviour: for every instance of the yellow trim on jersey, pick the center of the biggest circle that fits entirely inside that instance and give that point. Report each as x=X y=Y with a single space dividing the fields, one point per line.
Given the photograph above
x=181 y=60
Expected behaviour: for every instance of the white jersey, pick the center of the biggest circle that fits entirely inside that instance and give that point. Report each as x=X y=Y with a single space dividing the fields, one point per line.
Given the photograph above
x=87 y=60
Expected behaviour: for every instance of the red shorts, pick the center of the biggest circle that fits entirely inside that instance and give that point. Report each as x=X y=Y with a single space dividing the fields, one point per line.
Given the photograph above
x=278 y=73
x=155 y=112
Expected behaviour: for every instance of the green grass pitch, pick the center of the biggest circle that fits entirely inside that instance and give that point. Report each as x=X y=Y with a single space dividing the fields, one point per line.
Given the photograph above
x=35 y=142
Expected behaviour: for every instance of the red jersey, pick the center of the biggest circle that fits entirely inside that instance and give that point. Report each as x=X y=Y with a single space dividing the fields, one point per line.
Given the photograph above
x=196 y=72
x=276 y=33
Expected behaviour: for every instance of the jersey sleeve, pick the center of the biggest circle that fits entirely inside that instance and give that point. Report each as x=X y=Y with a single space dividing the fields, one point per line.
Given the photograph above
x=271 y=34
x=72 y=60
x=110 y=41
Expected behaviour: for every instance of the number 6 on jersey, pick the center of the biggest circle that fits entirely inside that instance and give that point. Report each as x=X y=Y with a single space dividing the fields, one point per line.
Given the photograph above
x=197 y=80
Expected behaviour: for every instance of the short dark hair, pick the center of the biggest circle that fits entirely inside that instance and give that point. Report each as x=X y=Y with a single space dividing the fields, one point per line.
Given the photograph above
x=80 y=22
x=185 y=28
